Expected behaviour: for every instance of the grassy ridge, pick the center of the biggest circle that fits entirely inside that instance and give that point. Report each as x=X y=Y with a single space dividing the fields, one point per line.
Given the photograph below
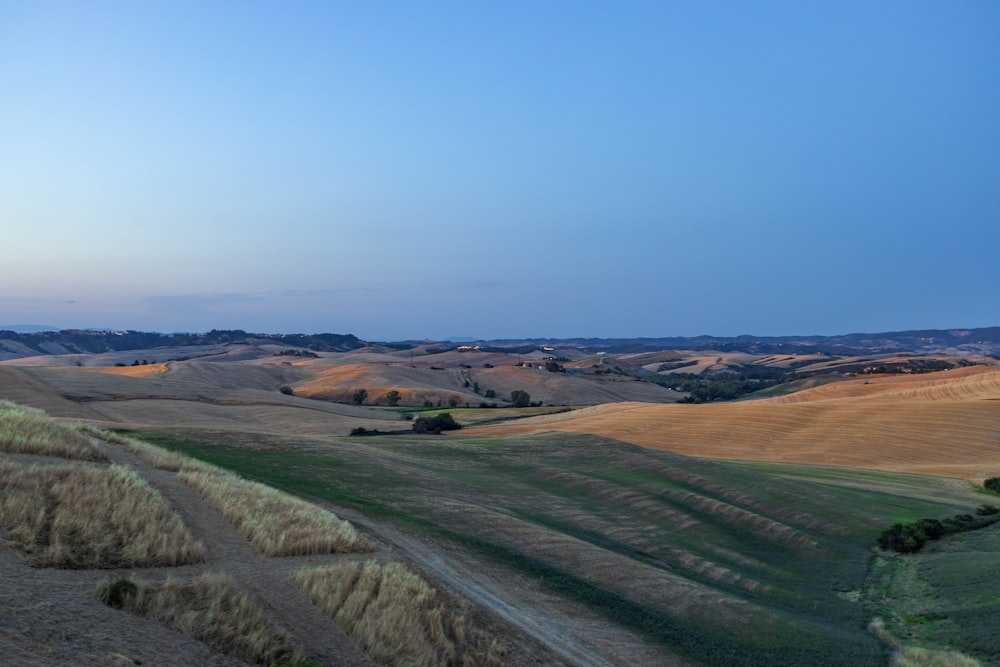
x=274 y=522
x=25 y=430
x=79 y=516
x=396 y=616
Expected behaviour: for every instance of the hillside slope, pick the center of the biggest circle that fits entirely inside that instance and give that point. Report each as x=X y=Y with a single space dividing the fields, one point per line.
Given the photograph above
x=941 y=423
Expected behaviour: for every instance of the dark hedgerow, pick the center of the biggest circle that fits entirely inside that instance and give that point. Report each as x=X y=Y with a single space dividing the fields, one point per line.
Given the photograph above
x=911 y=537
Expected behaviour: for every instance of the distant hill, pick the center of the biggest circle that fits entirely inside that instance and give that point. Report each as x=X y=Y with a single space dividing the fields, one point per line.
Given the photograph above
x=14 y=344
x=27 y=328
x=975 y=341
x=19 y=341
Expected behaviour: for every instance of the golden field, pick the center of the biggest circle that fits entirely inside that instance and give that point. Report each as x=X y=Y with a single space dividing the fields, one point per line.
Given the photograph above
x=945 y=423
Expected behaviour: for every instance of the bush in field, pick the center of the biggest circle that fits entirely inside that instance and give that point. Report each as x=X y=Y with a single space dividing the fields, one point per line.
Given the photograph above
x=116 y=593
x=992 y=484
x=436 y=424
x=392 y=397
x=359 y=396
x=520 y=398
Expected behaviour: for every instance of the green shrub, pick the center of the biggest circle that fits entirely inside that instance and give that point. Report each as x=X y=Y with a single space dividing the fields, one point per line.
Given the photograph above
x=436 y=424
x=520 y=398
x=992 y=484
x=911 y=537
x=116 y=593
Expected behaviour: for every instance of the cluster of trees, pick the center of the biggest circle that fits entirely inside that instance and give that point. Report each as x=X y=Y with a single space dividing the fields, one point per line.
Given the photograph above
x=144 y=362
x=520 y=398
x=296 y=353
x=435 y=424
x=723 y=386
x=911 y=537
x=359 y=396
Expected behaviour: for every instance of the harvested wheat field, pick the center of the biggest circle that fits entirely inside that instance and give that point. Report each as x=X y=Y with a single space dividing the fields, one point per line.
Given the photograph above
x=945 y=423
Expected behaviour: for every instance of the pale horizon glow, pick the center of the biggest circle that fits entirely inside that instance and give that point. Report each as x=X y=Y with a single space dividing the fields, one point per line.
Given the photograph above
x=400 y=171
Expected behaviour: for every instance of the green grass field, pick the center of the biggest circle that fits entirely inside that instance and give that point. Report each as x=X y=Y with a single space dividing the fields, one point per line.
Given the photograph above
x=723 y=563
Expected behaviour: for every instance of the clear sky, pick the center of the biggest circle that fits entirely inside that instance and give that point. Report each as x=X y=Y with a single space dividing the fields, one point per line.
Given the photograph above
x=500 y=169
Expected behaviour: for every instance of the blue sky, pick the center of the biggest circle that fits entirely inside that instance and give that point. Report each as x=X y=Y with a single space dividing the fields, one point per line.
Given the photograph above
x=411 y=170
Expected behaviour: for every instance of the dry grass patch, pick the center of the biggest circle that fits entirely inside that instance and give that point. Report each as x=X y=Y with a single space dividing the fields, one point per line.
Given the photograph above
x=397 y=618
x=915 y=656
x=276 y=523
x=211 y=609
x=25 y=430
x=161 y=458
x=79 y=516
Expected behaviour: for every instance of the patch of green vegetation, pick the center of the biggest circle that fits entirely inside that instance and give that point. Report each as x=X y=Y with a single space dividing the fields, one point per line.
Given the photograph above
x=947 y=597
x=695 y=639
x=801 y=534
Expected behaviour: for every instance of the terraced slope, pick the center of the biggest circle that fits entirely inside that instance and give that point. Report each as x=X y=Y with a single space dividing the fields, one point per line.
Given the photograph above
x=622 y=548
x=945 y=423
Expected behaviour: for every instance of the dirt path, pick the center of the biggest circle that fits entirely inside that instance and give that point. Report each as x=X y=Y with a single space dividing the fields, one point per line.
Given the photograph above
x=268 y=579
x=571 y=633
x=66 y=625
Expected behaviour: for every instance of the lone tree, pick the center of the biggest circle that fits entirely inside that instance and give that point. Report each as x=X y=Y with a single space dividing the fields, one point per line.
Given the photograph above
x=392 y=397
x=359 y=396
x=520 y=398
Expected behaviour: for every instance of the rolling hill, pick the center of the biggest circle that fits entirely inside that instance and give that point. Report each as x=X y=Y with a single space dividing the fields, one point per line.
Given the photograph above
x=943 y=423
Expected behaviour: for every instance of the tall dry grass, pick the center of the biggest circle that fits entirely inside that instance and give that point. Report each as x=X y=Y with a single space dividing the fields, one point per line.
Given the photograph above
x=915 y=656
x=161 y=458
x=277 y=523
x=396 y=617
x=81 y=516
x=25 y=430
x=211 y=609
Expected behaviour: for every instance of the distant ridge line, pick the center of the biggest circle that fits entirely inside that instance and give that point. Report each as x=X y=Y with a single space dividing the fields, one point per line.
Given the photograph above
x=982 y=341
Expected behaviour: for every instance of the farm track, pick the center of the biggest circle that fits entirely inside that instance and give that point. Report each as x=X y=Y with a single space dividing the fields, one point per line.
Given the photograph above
x=576 y=638
x=268 y=579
